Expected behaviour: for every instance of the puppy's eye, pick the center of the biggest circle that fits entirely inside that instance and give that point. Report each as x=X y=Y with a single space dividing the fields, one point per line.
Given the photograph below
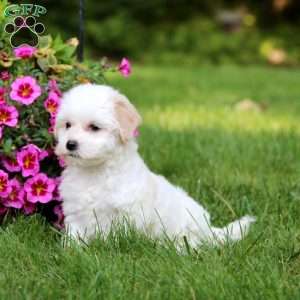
x=94 y=127
x=68 y=125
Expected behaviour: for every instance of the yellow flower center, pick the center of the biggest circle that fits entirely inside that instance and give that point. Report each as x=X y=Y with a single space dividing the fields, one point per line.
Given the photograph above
x=4 y=116
x=29 y=159
x=2 y=185
x=25 y=90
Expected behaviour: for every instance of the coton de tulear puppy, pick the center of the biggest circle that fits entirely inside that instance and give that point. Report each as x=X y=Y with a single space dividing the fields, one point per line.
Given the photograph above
x=106 y=179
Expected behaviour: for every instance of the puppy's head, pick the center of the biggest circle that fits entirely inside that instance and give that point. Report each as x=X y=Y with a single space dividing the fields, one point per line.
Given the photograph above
x=93 y=123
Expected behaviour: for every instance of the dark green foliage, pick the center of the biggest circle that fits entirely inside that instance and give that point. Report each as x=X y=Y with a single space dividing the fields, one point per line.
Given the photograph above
x=172 y=30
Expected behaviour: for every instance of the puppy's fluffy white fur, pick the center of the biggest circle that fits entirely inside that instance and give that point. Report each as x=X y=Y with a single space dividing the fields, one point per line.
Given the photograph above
x=106 y=179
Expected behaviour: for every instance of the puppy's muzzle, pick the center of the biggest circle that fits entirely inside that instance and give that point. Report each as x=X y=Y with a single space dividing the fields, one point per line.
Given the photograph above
x=72 y=145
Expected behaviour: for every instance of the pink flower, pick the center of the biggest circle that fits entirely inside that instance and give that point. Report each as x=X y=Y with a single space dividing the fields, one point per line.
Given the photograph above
x=50 y=151
x=3 y=210
x=52 y=123
x=8 y=115
x=25 y=90
x=28 y=159
x=43 y=154
x=15 y=198
x=52 y=103
x=58 y=211
x=4 y=75
x=53 y=87
x=61 y=162
x=125 y=67
x=24 y=51
x=1 y=132
x=29 y=208
x=5 y=187
x=2 y=95
x=39 y=188
x=11 y=164
x=136 y=133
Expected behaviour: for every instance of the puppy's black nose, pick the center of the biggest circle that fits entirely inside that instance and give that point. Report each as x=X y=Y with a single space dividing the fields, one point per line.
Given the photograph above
x=72 y=145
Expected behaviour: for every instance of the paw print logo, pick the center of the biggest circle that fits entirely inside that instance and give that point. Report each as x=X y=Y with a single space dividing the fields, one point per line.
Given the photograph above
x=24 y=31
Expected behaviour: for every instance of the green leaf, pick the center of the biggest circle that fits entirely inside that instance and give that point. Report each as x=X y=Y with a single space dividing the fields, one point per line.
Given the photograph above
x=45 y=41
x=43 y=64
x=7 y=146
x=52 y=60
x=58 y=44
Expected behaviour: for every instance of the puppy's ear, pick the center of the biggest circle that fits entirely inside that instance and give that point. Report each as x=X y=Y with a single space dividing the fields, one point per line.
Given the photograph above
x=127 y=117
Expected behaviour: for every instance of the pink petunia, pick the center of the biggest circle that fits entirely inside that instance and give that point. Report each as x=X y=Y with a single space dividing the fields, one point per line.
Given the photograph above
x=39 y=188
x=24 y=51
x=136 y=133
x=4 y=75
x=62 y=162
x=25 y=90
x=11 y=164
x=50 y=151
x=125 y=67
x=53 y=87
x=1 y=132
x=28 y=159
x=52 y=103
x=52 y=121
x=15 y=198
x=5 y=187
x=8 y=115
x=2 y=95
x=58 y=211
x=29 y=208
x=43 y=154
x=3 y=210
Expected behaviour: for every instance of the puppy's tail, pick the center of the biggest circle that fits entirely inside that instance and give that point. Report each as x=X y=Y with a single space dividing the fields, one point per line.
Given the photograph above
x=234 y=231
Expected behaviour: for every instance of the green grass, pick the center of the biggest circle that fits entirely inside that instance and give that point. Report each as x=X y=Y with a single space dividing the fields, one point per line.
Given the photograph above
x=235 y=163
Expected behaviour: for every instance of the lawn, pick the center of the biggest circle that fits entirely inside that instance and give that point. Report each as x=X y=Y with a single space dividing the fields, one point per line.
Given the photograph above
x=234 y=162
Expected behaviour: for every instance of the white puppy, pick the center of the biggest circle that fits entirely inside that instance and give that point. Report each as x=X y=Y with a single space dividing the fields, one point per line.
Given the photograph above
x=106 y=179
